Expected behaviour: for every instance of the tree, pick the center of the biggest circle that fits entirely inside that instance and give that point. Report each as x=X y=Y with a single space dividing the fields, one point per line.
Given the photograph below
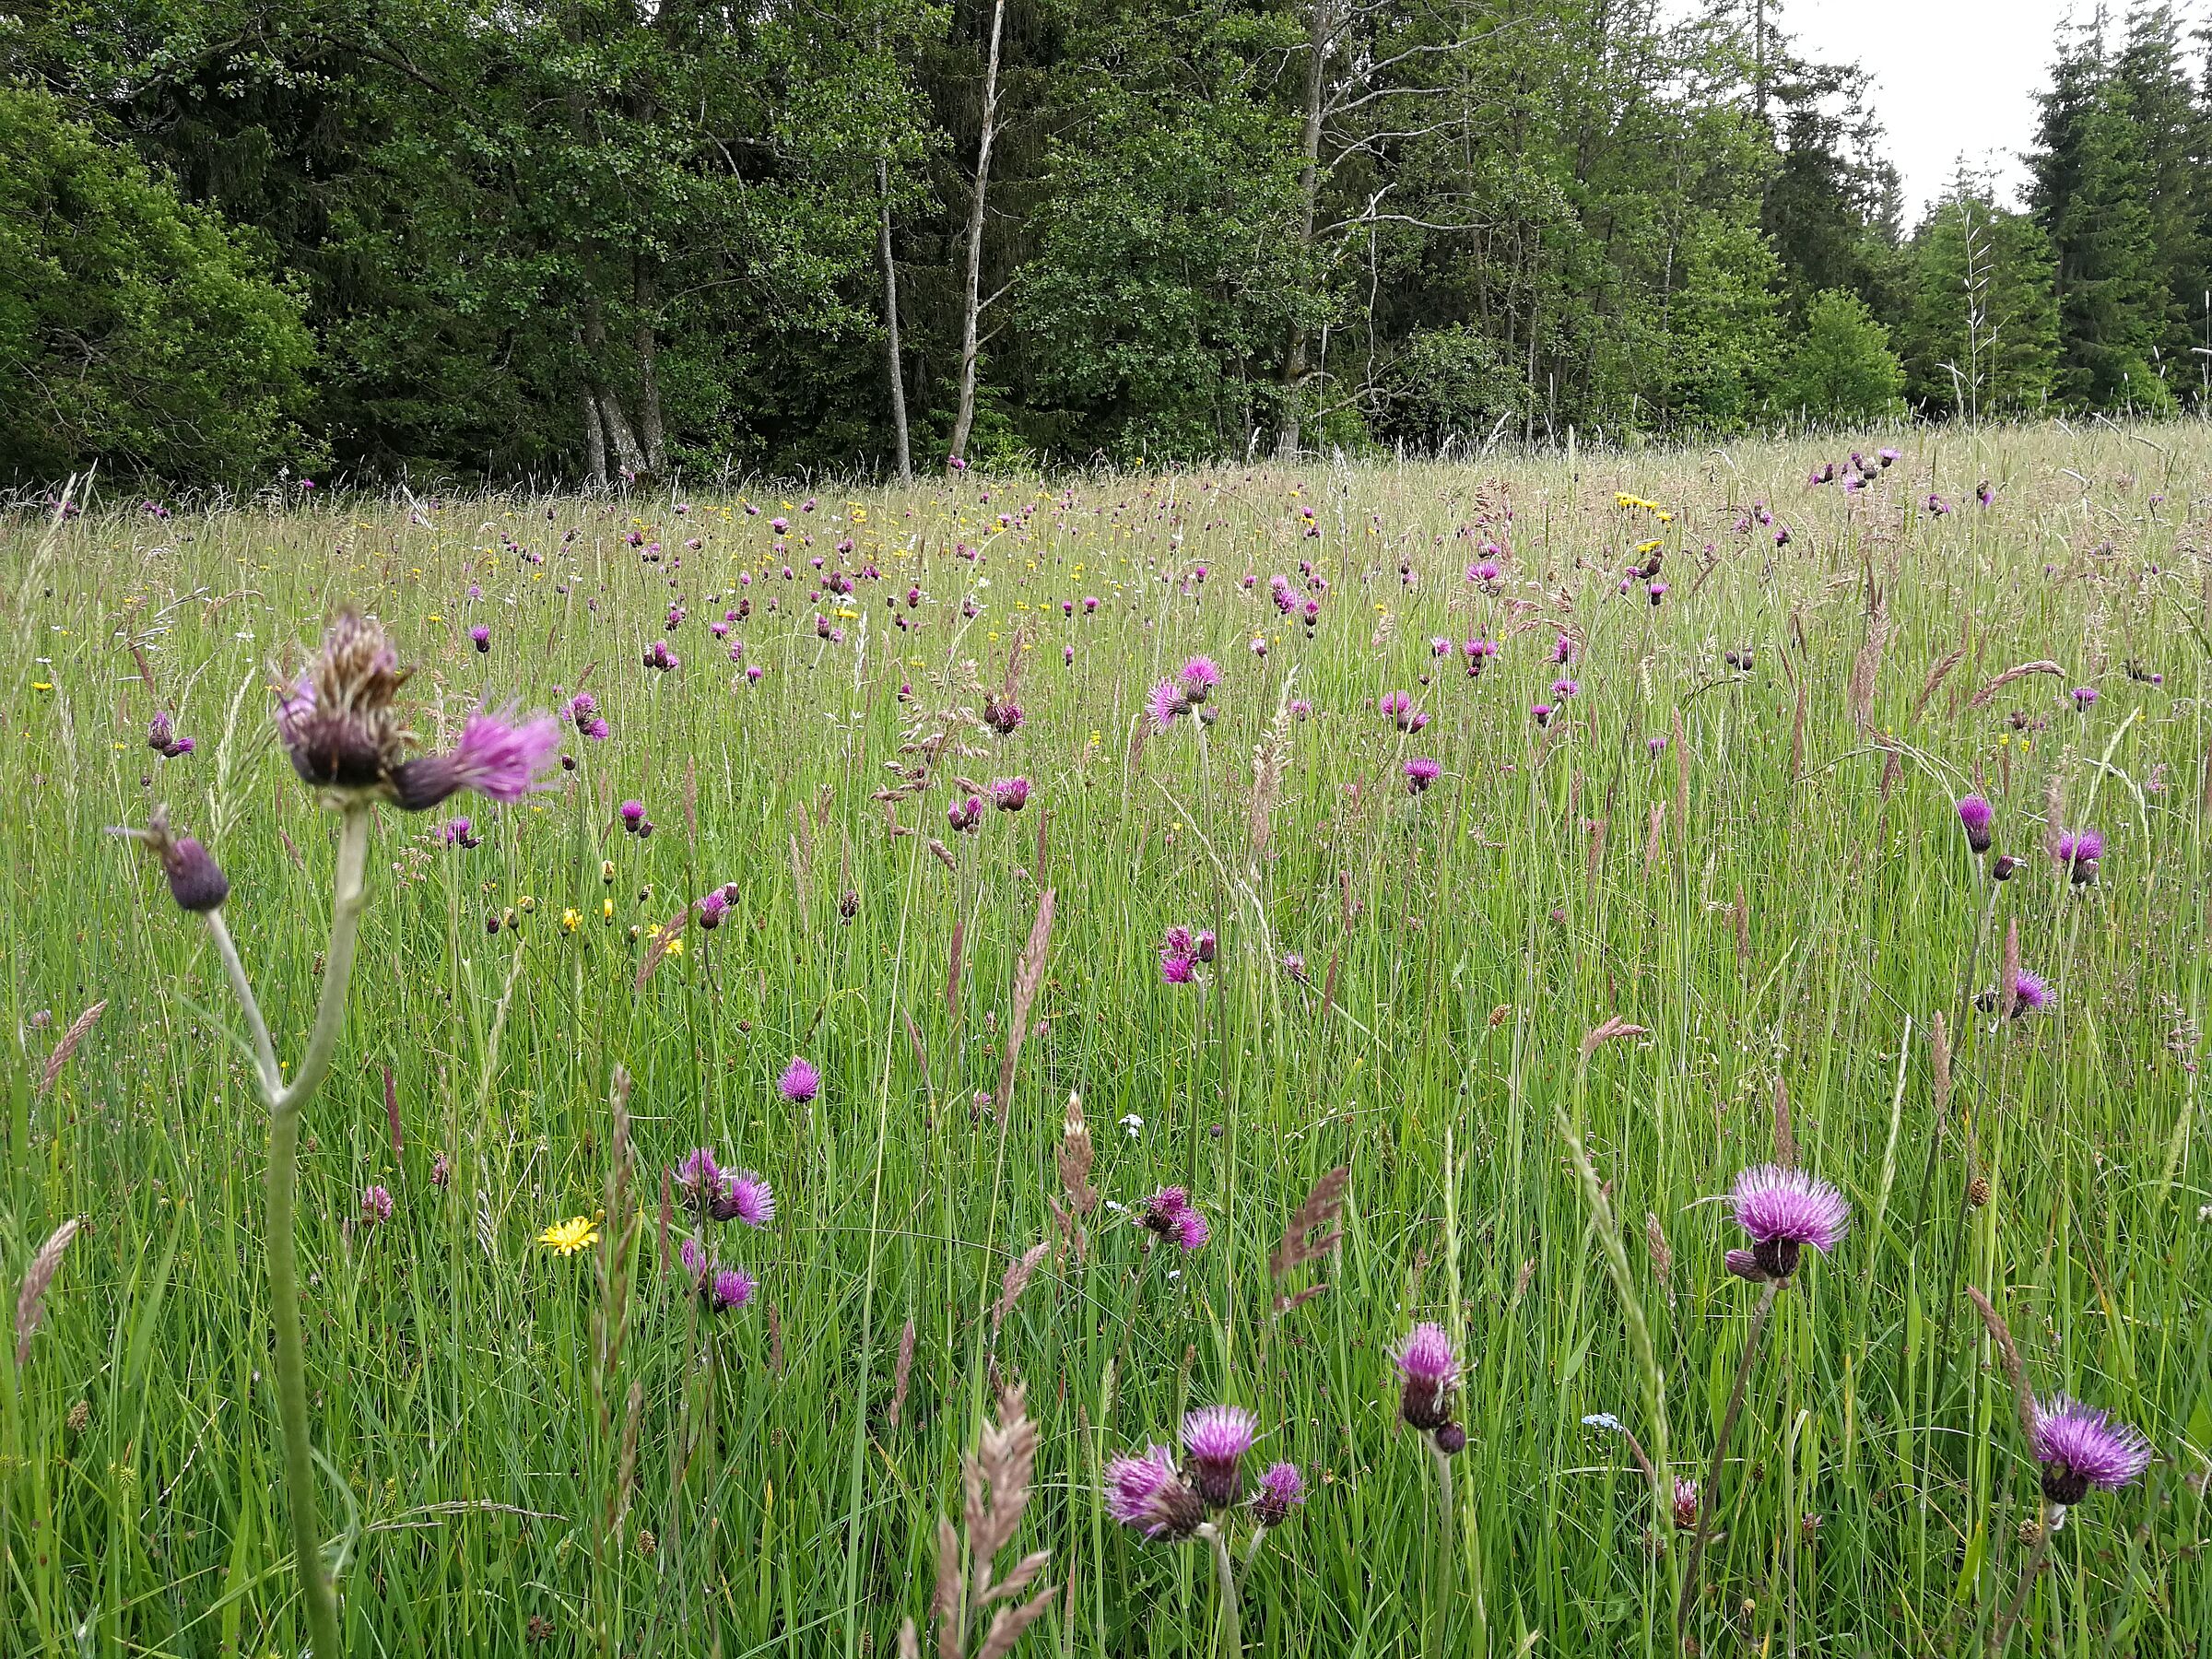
x=134 y=329
x=1841 y=368
x=1979 y=333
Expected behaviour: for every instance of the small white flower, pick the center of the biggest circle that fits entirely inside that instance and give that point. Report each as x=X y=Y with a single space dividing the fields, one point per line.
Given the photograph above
x=1601 y=1420
x=1132 y=1123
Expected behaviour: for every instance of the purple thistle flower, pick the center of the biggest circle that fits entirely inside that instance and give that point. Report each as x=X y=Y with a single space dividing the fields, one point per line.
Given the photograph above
x=2085 y=698
x=376 y=1207
x=1783 y=1210
x=2079 y=851
x=698 y=1177
x=711 y=910
x=2029 y=990
x=1148 y=1494
x=2081 y=1447
x=964 y=815
x=1177 y=970
x=1428 y=1371
x=1198 y=679
x=633 y=814
x=1191 y=1229
x=184 y=745
x=746 y=1197
x=1686 y=1503
x=1206 y=944
x=1421 y=771
x=1977 y=815
x=459 y=832
x=496 y=757
x=482 y=636
x=1215 y=1439
x=1657 y=590
x=338 y=722
x=1164 y=703
x=800 y=1082
x=1010 y=794
x=693 y=1258
x=1562 y=649
x=196 y=881
x=582 y=710
x=1562 y=689
x=1540 y=713
x=728 y=1288
x=1282 y=1488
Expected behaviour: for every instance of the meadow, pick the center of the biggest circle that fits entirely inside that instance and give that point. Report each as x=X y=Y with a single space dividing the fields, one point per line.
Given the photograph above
x=1542 y=1002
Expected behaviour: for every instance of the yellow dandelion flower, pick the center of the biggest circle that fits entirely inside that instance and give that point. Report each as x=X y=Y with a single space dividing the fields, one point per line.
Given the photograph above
x=569 y=919
x=606 y=910
x=566 y=1238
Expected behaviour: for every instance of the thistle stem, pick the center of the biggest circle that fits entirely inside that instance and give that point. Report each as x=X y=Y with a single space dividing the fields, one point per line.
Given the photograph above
x=283 y=1247
x=1446 y=1514
x=1709 y=1498
x=1225 y=1578
x=264 y=1051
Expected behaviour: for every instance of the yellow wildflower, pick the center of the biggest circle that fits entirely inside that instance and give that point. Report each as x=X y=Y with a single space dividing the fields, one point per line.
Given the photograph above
x=566 y=1238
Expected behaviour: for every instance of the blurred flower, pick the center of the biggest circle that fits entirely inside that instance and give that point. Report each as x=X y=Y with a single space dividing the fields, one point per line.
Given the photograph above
x=800 y=1082
x=376 y=1207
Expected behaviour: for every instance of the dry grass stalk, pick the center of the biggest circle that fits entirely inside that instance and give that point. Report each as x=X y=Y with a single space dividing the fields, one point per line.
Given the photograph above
x=1866 y=667
x=1655 y=838
x=2019 y=671
x=78 y=1028
x=1936 y=675
x=903 y=1373
x=996 y=1485
x=1614 y=1027
x=1740 y=914
x=1018 y=1273
x=1074 y=1158
x=1660 y=1251
x=1310 y=1235
x=1029 y=974
x=2008 y=1359
x=1268 y=758
x=1939 y=1047
x=952 y=971
x=1328 y=988
x=1595 y=857
x=662 y=943
x=30 y=1301
x=1785 y=1141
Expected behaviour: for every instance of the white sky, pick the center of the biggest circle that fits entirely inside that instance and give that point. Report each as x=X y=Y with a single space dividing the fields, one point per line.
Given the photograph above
x=1951 y=77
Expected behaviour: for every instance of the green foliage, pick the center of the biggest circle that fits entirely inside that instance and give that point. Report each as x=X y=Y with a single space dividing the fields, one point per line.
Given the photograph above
x=1723 y=339
x=134 y=329
x=1981 y=332
x=1841 y=366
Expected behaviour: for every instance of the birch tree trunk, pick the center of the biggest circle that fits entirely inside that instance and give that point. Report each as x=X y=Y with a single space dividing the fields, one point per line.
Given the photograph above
x=904 y=453
x=1288 y=438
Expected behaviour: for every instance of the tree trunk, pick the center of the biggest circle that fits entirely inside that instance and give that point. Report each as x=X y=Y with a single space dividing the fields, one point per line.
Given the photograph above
x=619 y=434
x=971 y=312
x=890 y=322
x=594 y=441
x=645 y=288
x=1288 y=435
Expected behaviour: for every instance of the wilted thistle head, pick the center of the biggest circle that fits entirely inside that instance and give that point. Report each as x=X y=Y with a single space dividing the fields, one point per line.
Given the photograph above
x=1282 y=1488
x=1783 y=1210
x=2079 y=851
x=2081 y=1447
x=1686 y=1503
x=698 y=1177
x=1198 y=679
x=1976 y=815
x=1421 y=771
x=1149 y=1494
x=1428 y=1371
x=196 y=881
x=800 y=1082
x=1215 y=1439
x=338 y=722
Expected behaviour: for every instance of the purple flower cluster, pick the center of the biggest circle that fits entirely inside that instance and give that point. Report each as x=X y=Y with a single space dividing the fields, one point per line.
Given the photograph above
x=1169 y=1214
x=1182 y=951
x=161 y=737
x=1150 y=1493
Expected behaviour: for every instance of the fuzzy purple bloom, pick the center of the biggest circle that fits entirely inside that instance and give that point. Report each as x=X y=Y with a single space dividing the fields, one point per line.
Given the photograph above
x=1010 y=794
x=1282 y=1488
x=1192 y=1229
x=729 y=1288
x=376 y=1207
x=1215 y=1439
x=2030 y=991
x=1785 y=1210
x=481 y=635
x=1164 y=702
x=800 y=1082
x=1198 y=679
x=2085 y=698
x=497 y=758
x=1147 y=1493
x=2079 y=851
x=2081 y=1447
x=698 y=1177
x=1977 y=815
x=1428 y=1371
x=1421 y=771
x=711 y=910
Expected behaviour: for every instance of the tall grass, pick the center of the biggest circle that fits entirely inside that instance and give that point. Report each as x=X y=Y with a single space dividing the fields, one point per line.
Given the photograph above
x=1779 y=895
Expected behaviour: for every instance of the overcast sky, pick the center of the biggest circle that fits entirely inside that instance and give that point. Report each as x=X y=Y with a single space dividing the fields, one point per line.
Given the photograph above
x=1951 y=77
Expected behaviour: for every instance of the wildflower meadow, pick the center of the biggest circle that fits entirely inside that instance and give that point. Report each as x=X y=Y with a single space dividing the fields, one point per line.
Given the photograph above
x=1579 y=1053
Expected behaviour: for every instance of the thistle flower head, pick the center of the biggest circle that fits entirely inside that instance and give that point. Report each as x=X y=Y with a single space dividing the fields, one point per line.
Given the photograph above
x=1785 y=1210
x=800 y=1082
x=698 y=1177
x=2081 y=1447
x=338 y=722
x=729 y=1288
x=1149 y=1494
x=1282 y=1490
x=376 y=1205
x=1976 y=815
x=1421 y=771
x=1165 y=702
x=1197 y=679
x=1010 y=794
x=1192 y=1229
x=1215 y=1439
x=2030 y=992
x=497 y=758
x=746 y=1197
x=2079 y=851
x=196 y=881
x=1428 y=1371
x=1686 y=1503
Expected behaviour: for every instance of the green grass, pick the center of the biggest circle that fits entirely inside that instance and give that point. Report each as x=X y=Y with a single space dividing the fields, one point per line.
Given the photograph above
x=1806 y=921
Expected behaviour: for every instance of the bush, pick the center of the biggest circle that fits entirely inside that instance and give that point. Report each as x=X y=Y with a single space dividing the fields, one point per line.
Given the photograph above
x=133 y=327
x=1843 y=367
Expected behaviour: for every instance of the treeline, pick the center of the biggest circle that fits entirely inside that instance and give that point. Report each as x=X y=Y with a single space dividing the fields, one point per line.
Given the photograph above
x=584 y=238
